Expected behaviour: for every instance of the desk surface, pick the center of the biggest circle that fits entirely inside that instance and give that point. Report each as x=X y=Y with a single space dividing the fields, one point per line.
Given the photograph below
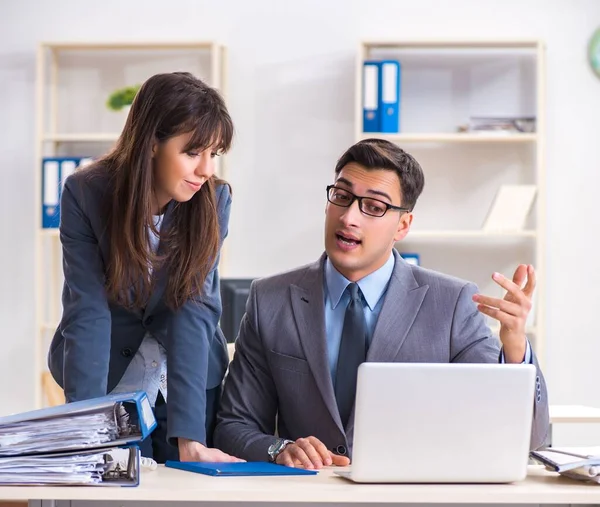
x=574 y=414
x=166 y=484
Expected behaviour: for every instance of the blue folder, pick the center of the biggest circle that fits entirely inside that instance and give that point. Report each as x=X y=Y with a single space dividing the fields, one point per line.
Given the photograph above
x=238 y=469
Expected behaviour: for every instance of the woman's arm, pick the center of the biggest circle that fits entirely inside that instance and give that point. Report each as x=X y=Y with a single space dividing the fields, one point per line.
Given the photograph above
x=191 y=332
x=86 y=321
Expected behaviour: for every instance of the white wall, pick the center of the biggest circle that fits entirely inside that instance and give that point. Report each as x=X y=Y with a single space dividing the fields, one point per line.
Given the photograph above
x=291 y=96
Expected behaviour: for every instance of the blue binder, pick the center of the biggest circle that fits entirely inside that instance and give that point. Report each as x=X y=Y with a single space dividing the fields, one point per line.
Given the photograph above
x=411 y=258
x=134 y=425
x=55 y=171
x=50 y=193
x=389 y=96
x=370 y=98
x=238 y=469
x=120 y=467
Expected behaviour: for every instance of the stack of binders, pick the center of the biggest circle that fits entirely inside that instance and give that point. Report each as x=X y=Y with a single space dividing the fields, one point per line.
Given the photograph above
x=381 y=96
x=89 y=442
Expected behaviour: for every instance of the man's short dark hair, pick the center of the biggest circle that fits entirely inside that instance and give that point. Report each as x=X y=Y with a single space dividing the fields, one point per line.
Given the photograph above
x=382 y=154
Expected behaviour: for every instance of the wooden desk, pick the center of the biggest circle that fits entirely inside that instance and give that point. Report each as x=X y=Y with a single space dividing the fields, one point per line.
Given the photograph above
x=168 y=486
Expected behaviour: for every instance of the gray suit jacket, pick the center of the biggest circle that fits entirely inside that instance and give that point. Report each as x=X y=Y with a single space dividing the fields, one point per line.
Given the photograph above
x=279 y=379
x=96 y=340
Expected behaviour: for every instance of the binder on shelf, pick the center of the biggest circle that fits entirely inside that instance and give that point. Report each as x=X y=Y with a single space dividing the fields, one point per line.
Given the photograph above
x=55 y=171
x=109 y=421
x=370 y=98
x=389 y=96
x=50 y=193
x=411 y=258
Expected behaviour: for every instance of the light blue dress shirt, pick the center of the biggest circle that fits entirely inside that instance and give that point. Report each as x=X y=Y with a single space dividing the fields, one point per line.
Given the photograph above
x=148 y=368
x=373 y=288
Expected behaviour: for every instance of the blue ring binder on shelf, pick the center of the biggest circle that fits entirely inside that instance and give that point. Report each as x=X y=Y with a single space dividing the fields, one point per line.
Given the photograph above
x=55 y=171
x=90 y=442
x=381 y=96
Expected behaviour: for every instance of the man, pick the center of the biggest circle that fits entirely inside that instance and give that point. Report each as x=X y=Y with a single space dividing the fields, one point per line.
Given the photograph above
x=306 y=331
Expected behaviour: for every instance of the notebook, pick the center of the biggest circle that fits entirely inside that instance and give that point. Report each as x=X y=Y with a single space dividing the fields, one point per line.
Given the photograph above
x=238 y=469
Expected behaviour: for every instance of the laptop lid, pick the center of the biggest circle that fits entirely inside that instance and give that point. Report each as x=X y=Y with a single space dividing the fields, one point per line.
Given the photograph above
x=442 y=422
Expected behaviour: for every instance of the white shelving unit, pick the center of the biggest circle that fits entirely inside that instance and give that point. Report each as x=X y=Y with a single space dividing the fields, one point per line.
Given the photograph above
x=442 y=84
x=454 y=138
x=74 y=81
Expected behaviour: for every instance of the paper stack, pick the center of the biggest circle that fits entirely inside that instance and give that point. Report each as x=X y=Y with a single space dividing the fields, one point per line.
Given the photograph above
x=574 y=462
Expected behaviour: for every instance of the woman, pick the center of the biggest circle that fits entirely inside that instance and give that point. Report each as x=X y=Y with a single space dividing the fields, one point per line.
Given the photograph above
x=141 y=230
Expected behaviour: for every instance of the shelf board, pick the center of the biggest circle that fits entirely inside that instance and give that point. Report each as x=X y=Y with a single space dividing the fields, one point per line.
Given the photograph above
x=49 y=326
x=453 y=138
x=154 y=45
x=468 y=234
x=51 y=233
x=103 y=137
x=452 y=44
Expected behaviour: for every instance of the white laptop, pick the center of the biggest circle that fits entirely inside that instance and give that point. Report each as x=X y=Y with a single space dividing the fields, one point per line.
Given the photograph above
x=442 y=423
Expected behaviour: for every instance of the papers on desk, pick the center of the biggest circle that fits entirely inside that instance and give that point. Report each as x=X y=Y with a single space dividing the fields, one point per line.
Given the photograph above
x=79 y=431
x=105 y=467
x=77 y=443
x=575 y=462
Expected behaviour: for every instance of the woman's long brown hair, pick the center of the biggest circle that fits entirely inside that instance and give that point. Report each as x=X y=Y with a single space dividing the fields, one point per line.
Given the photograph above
x=165 y=106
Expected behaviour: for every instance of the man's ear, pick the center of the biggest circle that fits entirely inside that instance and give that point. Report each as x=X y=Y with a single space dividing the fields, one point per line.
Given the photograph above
x=403 y=226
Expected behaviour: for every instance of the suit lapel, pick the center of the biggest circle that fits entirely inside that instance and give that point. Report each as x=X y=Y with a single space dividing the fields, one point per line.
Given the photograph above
x=308 y=303
x=402 y=302
x=161 y=274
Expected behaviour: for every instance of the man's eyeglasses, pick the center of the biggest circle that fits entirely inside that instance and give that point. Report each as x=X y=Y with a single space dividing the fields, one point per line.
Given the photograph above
x=367 y=205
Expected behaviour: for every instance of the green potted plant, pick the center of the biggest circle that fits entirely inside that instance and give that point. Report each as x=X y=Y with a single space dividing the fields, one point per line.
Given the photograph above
x=122 y=98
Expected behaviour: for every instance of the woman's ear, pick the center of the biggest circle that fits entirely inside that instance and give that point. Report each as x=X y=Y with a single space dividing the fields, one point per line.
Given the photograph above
x=154 y=148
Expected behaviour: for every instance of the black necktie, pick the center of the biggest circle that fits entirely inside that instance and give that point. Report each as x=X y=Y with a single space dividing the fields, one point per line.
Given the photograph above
x=353 y=352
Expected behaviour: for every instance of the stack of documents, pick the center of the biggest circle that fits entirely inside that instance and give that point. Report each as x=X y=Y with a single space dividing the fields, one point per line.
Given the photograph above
x=87 y=442
x=574 y=462
x=96 y=467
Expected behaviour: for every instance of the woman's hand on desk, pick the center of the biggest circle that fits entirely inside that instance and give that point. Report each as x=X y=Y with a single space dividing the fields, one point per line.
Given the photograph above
x=309 y=453
x=189 y=450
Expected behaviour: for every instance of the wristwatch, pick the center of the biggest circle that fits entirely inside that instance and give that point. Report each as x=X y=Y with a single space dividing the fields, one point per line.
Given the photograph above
x=277 y=447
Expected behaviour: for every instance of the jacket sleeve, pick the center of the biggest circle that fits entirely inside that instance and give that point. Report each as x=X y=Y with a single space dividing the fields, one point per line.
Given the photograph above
x=190 y=334
x=246 y=419
x=472 y=342
x=86 y=321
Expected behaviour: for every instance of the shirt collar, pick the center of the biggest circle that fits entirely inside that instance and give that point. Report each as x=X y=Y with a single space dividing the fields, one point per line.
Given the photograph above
x=372 y=286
